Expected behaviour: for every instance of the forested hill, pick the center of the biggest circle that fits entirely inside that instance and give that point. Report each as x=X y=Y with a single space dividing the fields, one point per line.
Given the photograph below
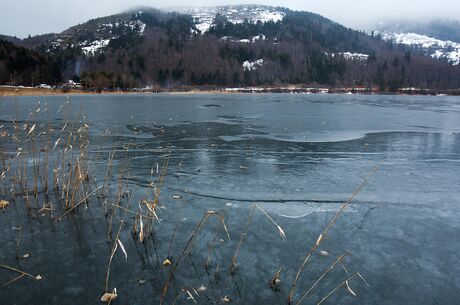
x=22 y=66
x=222 y=46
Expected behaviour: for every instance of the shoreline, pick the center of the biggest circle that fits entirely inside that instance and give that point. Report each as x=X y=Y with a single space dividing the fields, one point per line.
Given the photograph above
x=8 y=91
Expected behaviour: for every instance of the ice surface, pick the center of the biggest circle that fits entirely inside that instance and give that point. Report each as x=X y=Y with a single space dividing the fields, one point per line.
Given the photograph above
x=231 y=151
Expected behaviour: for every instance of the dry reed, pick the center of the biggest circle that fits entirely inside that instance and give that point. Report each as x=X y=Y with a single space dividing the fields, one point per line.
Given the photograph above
x=324 y=233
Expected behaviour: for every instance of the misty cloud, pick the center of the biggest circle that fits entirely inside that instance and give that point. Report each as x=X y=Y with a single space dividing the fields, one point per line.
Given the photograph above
x=21 y=18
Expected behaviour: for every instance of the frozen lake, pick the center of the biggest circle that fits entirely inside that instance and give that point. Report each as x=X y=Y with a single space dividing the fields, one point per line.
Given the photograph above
x=298 y=157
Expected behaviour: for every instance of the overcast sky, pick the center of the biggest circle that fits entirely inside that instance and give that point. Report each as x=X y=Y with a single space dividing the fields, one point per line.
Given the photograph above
x=23 y=17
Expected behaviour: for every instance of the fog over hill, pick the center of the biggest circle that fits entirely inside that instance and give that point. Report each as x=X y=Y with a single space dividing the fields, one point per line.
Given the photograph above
x=21 y=18
x=443 y=29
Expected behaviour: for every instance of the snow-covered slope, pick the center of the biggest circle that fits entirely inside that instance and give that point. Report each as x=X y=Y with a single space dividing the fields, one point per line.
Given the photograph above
x=439 y=28
x=204 y=16
x=94 y=36
x=440 y=49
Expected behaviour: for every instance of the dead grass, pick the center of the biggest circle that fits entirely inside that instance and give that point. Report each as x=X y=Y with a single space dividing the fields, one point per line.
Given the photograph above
x=62 y=154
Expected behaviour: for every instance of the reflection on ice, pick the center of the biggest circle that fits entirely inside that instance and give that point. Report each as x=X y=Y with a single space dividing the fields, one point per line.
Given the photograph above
x=295 y=210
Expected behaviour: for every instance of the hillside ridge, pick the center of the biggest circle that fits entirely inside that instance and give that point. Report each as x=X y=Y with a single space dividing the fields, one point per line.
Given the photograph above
x=231 y=46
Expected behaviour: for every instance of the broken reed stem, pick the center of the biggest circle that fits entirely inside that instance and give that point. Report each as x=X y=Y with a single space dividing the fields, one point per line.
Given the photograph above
x=75 y=206
x=184 y=251
x=18 y=271
x=211 y=248
x=336 y=288
x=123 y=168
x=157 y=191
x=119 y=193
x=243 y=234
x=18 y=241
x=222 y=221
x=325 y=232
x=13 y=280
x=132 y=212
x=3 y=172
x=114 y=247
x=339 y=259
x=108 y=173
x=46 y=207
x=31 y=135
x=190 y=296
x=280 y=230
x=177 y=297
x=47 y=166
x=172 y=239
x=160 y=182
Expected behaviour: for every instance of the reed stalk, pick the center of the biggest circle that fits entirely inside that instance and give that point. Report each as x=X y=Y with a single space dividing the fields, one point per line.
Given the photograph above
x=186 y=248
x=324 y=233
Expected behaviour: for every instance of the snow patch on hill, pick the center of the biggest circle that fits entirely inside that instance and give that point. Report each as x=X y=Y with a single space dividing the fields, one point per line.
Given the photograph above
x=204 y=17
x=252 y=65
x=137 y=25
x=105 y=32
x=350 y=56
x=354 y=56
x=254 y=39
x=440 y=49
x=133 y=25
x=93 y=47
